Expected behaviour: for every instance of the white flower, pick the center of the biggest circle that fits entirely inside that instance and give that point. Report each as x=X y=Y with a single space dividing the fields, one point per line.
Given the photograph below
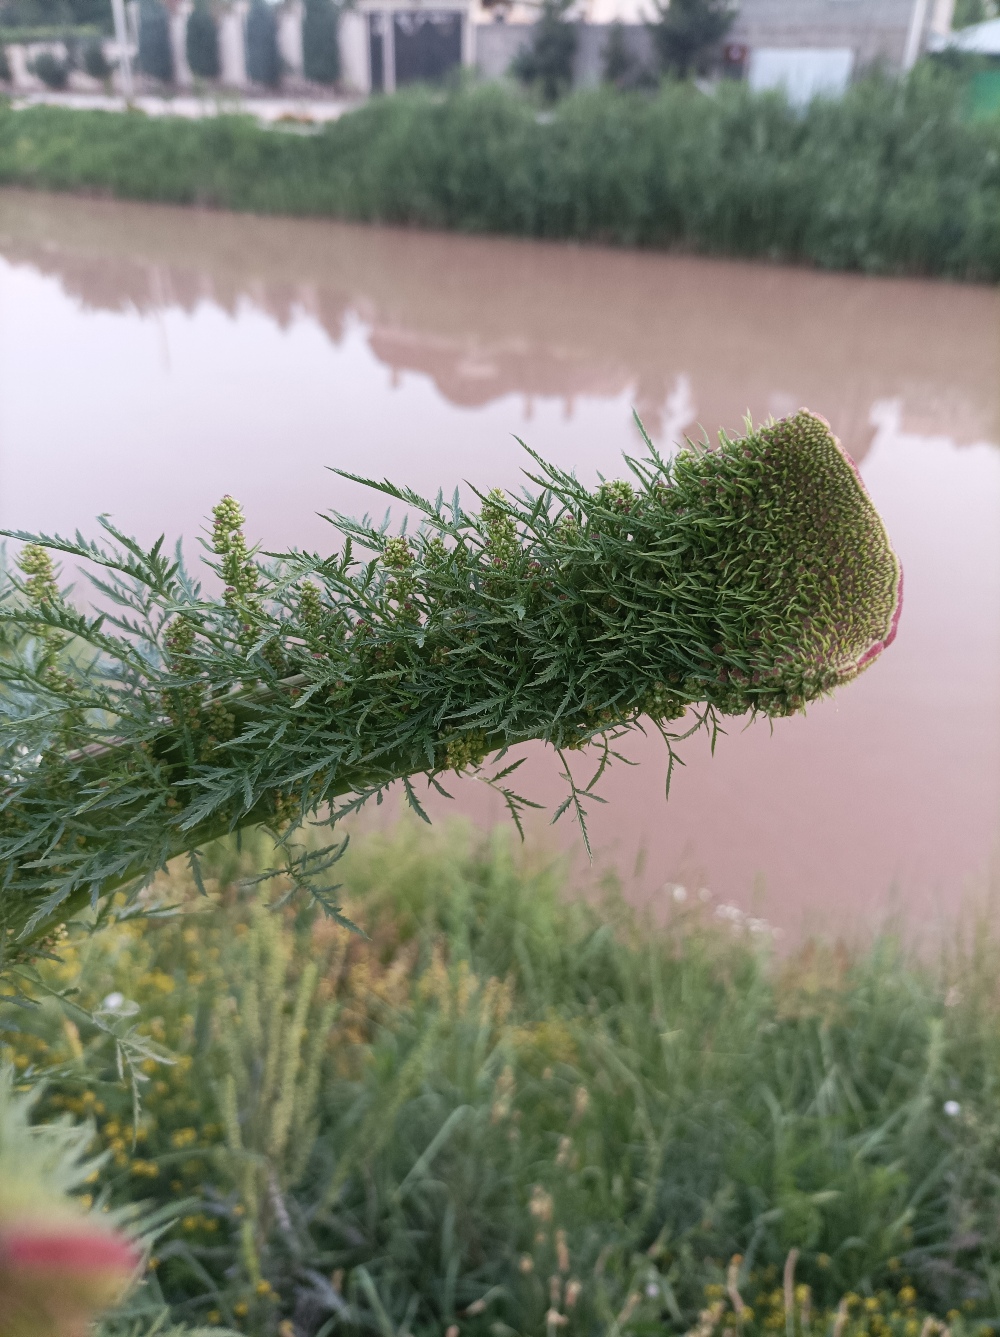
x=730 y=912
x=679 y=893
x=652 y=1290
x=952 y=1108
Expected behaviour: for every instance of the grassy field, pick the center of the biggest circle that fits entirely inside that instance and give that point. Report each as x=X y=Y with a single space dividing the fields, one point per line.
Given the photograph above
x=892 y=179
x=504 y=1112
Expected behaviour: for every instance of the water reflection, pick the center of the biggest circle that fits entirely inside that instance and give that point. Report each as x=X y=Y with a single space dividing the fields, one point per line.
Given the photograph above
x=488 y=319
x=151 y=359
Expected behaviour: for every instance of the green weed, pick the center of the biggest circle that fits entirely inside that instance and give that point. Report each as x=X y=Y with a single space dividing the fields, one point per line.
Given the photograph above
x=504 y=1111
x=891 y=179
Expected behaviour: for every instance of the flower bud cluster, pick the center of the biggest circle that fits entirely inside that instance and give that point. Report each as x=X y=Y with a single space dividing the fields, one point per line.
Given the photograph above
x=239 y=570
x=500 y=528
x=40 y=584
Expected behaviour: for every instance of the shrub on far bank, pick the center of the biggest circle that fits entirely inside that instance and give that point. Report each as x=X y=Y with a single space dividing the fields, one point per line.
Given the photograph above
x=621 y=67
x=891 y=179
x=262 y=56
x=202 y=43
x=320 y=42
x=973 y=11
x=686 y=31
x=155 y=53
x=53 y=72
x=95 y=63
x=547 y=62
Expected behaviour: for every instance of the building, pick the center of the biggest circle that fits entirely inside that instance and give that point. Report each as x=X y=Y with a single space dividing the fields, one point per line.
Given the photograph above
x=805 y=46
x=385 y=44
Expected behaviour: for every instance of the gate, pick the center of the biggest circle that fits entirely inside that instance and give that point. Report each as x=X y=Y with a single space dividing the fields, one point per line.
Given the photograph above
x=428 y=44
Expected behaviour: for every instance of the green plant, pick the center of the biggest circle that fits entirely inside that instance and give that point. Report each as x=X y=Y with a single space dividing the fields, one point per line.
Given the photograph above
x=547 y=62
x=263 y=60
x=685 y=32
x=320 y=41
x=59 y=1263
x=270 y=1067
x=891 y=179
x=52 y=71
x=202 y=43
x=57 y=16
x=5 y=72
x=527 y=1108
x=972 y=11
x=155 y=53
x=95 y=63
x=618 y=65
x=753 y=577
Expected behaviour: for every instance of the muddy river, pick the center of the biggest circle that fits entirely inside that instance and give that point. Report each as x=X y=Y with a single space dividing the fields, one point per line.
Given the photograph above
x=152 y=359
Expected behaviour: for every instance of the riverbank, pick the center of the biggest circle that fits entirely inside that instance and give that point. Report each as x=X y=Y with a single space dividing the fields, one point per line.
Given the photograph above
x=505 y=1105
x=266 y=110
x=892 y=179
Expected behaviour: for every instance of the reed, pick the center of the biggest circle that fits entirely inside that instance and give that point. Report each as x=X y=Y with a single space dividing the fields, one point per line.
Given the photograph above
x=892 y=179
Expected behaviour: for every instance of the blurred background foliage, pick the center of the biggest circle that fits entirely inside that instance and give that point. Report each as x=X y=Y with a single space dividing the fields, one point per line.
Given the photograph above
x=94 y=15
x=896 y=177
x=504 y=1111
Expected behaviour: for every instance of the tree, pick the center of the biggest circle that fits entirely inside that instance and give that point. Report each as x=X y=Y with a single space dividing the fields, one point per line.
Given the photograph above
x=968 y=12
x=686 y=30
x=755 y=577
x=620 y=66
x=95 y=63
x=616 y=59
x=548 y=61
x=320 y=42
x=52 y=71
x=155 y=55
x=263 y=60
x=202 y=43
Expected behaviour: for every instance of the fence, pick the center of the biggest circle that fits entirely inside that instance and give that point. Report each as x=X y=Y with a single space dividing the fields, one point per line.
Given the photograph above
x=379 y=45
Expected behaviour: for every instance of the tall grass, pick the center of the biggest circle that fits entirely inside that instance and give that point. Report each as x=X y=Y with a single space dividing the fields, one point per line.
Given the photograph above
x=891 y=179
x=506 y=1112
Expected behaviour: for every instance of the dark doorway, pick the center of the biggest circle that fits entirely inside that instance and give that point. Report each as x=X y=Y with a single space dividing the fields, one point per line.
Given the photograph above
x=376 y=52
x=428 y=45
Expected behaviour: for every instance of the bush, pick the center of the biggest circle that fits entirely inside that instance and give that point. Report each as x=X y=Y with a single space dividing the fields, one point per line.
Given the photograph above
x=52 y=71
x=891 y=179
x=616 y=61
x=620 y=66
x=155 y=53
x=5 y=71
x=202 y=43
x=56 y=14
x=504 y=1105
x=972 y=11
x=548 y=62
x=263 y=60
x=95 y=63
x=320 y=42
x=686 y=31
